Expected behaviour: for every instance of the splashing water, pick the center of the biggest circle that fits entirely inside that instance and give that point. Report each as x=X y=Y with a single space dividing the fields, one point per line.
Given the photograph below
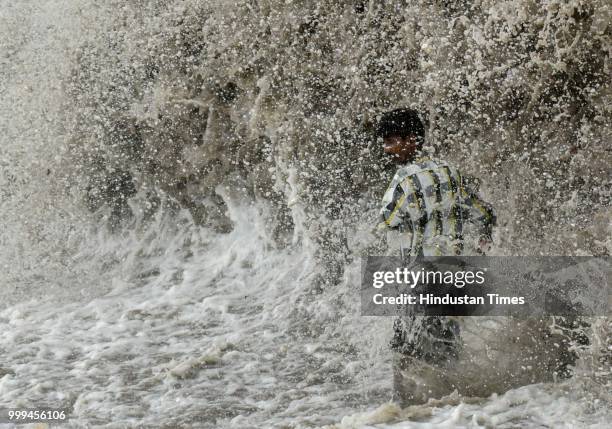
x=186 y=189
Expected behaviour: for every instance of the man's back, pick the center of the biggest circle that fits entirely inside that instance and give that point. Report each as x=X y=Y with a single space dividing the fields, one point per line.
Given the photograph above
x=431 y=202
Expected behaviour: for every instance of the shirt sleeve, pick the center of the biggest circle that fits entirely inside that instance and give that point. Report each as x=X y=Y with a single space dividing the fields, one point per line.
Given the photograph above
x=392 y=211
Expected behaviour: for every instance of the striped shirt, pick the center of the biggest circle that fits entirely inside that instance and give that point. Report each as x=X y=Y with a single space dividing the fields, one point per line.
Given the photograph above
x=432 y=203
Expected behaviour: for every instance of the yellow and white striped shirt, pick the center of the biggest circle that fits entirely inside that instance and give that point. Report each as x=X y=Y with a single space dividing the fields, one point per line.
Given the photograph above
x=430 y=201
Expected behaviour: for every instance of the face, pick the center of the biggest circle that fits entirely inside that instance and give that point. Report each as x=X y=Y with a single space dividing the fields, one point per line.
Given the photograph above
x=402 y=149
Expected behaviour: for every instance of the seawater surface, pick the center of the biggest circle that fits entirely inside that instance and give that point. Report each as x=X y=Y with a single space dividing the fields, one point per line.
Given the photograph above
x=168 y=321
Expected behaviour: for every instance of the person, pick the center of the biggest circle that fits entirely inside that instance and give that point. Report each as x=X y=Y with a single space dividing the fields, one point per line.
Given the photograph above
x=432 y=203
x=431 y=199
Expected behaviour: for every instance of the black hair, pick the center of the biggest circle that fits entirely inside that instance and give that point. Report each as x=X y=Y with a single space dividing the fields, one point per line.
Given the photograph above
x=401 y=122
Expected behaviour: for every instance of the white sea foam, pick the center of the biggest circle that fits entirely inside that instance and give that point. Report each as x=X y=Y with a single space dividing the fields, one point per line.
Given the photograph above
x=165 y=323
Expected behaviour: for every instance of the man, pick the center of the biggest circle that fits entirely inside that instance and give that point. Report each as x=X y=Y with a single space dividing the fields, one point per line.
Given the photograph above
x=430 y=199
x=431 y=205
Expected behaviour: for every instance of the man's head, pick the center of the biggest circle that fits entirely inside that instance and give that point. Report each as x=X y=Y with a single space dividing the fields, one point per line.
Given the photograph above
x=403 y=134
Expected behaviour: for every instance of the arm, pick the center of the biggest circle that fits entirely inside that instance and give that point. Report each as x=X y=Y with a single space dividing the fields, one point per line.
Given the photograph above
x=477 y=211
x=392 y=210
